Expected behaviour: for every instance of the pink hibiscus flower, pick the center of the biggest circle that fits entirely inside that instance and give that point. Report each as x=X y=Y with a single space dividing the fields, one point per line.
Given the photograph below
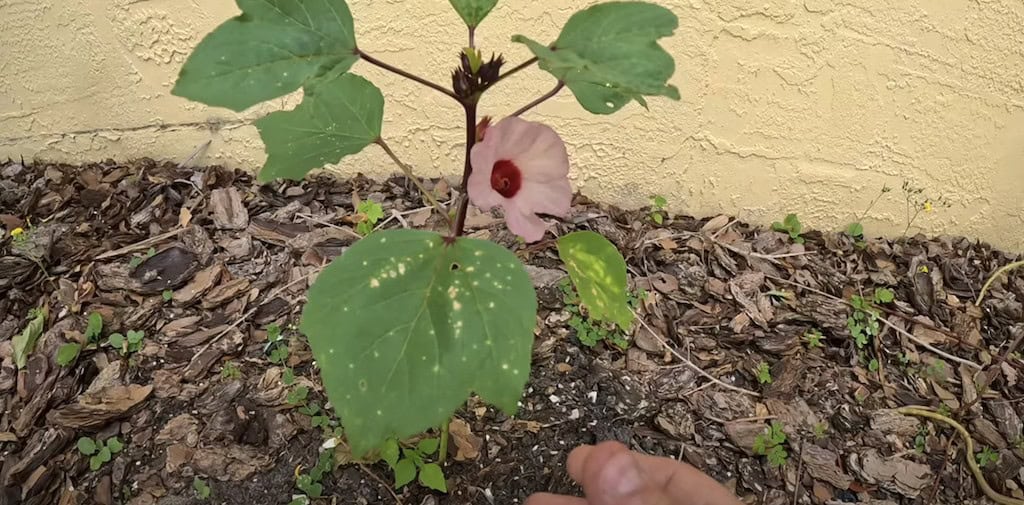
x=522 y=167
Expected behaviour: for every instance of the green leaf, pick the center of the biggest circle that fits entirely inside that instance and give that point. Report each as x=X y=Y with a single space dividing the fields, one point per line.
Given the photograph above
x=167 y=295
x=115 y=445
x=657 y=217
x=104 y=455
x=775 y=433
x=298 y=395
x=94 y=328
x=273 y=48
x=427 y=446
x=760 y=445
x=336 y=118
x=201 y=488
x=884 y=295
x=432 y=477
x=95 y=463
x=25 y=342
x=405 y=472
x=660 y=202
x=792 y=224
x=273 y=333
x=67 y=353
x=116 y=340
x=135 y=337
x=473 y=11
x=599 y=272
x=855 y=230
x=87 y=446
x=405 y=325
x=608 y=55
x=288 y=376
x=372 y=210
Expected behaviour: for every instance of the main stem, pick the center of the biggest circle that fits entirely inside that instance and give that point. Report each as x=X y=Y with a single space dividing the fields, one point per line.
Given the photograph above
x=460 y=218
x=442 y=454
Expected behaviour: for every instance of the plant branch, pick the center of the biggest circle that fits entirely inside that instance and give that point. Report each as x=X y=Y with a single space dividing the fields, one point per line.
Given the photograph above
x=460 y=219
x=427 y=195
x=988 y=283
x=403 y=73
x=540 y=100
x=472 y=37
x=526 y=64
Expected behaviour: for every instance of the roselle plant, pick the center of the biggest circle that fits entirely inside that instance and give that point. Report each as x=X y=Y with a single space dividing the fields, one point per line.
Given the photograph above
x=407 y=323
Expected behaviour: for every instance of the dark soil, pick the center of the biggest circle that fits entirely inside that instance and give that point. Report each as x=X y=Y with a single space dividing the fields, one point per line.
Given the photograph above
x=235 y=258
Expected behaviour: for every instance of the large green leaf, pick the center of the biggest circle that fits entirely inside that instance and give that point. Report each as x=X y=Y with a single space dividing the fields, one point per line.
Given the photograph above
x=608 y=55
x=336 y=118
x=273 y=48
x=597 y=269
x=473 y=11
x=405 y=325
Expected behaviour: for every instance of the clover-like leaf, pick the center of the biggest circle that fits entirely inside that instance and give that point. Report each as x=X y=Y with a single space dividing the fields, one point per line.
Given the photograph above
x=473 y=11
x=273 y=48
x=608 y=55
x=406 y=324
x=599 y=272
x=336 y=118
x=432 y=477
x=87 y=446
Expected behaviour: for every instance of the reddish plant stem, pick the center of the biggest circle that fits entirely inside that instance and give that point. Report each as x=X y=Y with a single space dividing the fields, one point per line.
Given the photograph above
x=460 y=218
x=403 y=73
x=540 y=100
x=517 y=68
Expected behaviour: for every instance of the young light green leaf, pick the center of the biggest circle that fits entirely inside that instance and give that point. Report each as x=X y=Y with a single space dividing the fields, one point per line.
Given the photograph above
x=473 y=11
x=599 y=272
x=427 y=446
x=114 y=444
x=135 y=337
x=405 y=472
x=25 y=342
x=94 y=328
x=67 y=353
x=855 y=230
x=432 y=477
x=87 y=446
x=406 y=324
x=608 y=54
x=201 y=488
x=336 y=118
x=389 y=453
x=273 y=48
x=104 y=454
x=116 y=340
x=95 y=462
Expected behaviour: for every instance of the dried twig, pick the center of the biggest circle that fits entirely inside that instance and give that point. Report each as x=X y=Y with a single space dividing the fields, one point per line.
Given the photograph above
x=886 y=322
x=774 y=258
x=995 y=276
x=380 y=481
x=690 y=363
x=138 y=246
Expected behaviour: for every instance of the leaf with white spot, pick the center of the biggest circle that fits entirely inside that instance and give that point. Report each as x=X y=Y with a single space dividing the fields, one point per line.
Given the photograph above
x=407 y=324
x=336 y=118
x=273 y=48
x=597 y=269
x=608 y=54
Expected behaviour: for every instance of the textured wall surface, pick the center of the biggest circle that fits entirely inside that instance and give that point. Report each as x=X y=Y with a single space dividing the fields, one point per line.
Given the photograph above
x=805 y=106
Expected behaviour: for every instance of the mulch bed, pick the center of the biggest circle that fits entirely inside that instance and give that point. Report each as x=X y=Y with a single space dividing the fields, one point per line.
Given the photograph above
x=235 y=258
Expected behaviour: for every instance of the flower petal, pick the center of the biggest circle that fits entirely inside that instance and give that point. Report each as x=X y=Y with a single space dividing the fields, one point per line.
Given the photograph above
x=554 y=197
x=481 y=193
x=526 y=225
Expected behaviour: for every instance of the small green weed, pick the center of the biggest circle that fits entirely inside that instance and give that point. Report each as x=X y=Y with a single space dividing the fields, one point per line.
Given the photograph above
x=921 y=440
x=99 y=453
x=138 y=260
x=764 y=373
x=408 y=462
x=127 y=345
x=201 y=488
x=589 y=332
x=856 y=229
x=230 y=370
x=770 y=444
x=986 y=457
x=863 y=323
x=312 y=483
x=820 y=431
x=368 y=214
x=813 y=339
x=658 y=205
x=68 y=353
x=167 y=295
x=791 y=225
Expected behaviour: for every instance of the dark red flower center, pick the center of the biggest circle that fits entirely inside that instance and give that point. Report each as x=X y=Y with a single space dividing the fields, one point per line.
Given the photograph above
x=506 y=178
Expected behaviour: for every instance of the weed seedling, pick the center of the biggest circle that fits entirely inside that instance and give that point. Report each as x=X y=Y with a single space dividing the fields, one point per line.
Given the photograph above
x=167 y=295
x=820 y=431
x=986 y=457
x=588 y=331
x=856 y=229
x=813 y=339
x=658 y=204
x=407 y=463
x=770 y=444
x=68 y=353
x=201 y=488
x=368 y=213
x=126 y=345
x=230 y=370
x=137 y=259
x=764 y=373
x=99 y=453
x=791 y=225
x=312 y=483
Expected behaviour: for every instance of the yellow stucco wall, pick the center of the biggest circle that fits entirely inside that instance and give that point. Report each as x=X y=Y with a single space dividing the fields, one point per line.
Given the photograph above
x=807 y=106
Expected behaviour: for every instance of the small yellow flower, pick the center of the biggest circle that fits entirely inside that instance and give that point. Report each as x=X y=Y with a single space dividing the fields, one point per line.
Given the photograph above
x=17 y=232
x=928 y=206
x=923 y=269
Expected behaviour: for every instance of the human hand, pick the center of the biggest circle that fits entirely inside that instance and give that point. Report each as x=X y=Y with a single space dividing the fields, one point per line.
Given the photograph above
x=611 y=474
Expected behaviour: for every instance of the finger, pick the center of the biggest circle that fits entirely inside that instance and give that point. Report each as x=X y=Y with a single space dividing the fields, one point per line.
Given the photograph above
x=553 y=499
x=610 y=471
